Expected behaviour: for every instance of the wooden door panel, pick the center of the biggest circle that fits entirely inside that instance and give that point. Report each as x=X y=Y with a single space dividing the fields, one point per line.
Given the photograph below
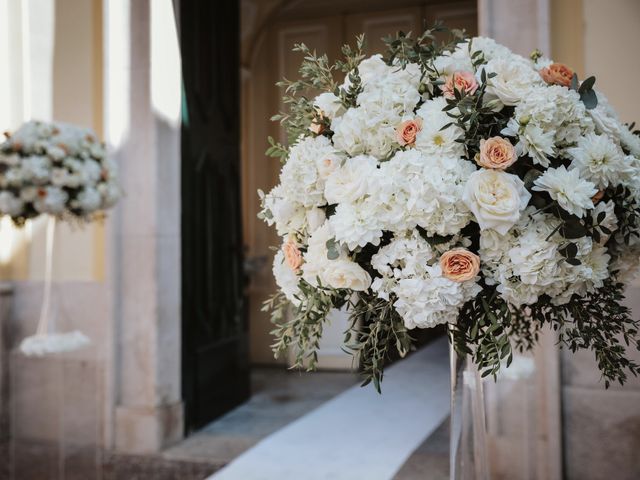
x=382 y=24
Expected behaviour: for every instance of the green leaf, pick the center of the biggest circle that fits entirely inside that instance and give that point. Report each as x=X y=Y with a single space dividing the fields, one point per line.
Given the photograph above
x=333 y=249
x=589 y=99
x=587 y=84
x=574 y=82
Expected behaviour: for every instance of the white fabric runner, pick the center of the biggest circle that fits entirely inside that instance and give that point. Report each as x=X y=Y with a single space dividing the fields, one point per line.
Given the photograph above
x=358 y=434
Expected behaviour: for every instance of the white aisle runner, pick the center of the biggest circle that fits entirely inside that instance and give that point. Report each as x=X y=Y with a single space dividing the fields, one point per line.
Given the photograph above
x=359 y=434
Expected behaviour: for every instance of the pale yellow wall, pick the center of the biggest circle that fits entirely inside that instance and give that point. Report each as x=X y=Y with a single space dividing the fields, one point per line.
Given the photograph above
x=601 y=38
x=75 y=95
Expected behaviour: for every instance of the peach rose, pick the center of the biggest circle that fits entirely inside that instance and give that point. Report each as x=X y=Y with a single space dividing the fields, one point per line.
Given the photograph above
x=497 y=153
x=316 y=127
x=406 y=132
x=292 y=255
x=459 y=265
x=462 y=81
x=597 y=197
x=557 y=74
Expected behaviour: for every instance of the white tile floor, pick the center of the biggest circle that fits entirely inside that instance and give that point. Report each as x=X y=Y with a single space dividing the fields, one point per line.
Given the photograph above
x=358 y=434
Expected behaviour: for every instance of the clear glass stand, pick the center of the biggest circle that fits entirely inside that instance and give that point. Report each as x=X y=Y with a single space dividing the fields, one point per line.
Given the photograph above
x=46 y=339
x=468 y=452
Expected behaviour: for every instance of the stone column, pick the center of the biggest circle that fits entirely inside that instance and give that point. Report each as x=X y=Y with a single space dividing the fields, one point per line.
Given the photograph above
x=522 y=25
x=142 y=89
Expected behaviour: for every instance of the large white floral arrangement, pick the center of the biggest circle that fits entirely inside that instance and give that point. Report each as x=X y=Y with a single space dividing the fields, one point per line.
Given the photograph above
x=55 y=168
x=454 y=183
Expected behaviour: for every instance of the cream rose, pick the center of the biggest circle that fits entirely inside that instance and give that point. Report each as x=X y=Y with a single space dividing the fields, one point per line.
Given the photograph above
x=496 y=199
x=496 y=152
x=344 y=273
x=407 y=131
x=459 y=265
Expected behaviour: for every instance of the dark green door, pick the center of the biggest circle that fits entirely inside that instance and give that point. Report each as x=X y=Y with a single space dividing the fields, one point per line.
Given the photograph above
x=215 y=344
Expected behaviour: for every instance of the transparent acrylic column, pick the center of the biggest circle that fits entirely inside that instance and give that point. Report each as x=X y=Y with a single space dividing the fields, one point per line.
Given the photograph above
x=468 y=445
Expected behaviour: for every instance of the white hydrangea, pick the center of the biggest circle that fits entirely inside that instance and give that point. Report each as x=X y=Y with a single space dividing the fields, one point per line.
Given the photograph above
x=390 y=84
x=526 y=263
x=280 y=210
x=356 y=225
x=420 y=190
x=566 y=187
x=600 y=160
x=368 y=130
x=350 y=181
x=489 y=48
x=410 y=273
x=300 y=177
x=548 y=120
x=389 y=95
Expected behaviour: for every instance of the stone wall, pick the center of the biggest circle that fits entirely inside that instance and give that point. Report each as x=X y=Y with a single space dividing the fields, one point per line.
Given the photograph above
x=601 y=427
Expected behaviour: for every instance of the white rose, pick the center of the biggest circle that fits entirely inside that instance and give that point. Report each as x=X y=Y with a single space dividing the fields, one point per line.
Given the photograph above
x=346 y=274
x=514 y=79
x=350 y=182
x=496 y=199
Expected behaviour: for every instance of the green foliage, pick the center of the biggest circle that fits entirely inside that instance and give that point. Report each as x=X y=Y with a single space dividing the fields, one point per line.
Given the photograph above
x=403 y=49
x=276 y=150
x=586 y=91
x=317 y=74
x=376 y=332
x=303 y=330
x=475 y=117
x=488 y=329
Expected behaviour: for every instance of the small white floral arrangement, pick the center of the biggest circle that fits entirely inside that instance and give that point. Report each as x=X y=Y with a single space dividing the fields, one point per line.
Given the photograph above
x=453 y=183
x=57 y=169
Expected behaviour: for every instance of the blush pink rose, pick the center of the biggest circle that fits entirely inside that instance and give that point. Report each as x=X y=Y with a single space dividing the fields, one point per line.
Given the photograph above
x=497 y=153
x=463 y=81
x=459 y=265
x=406 y=132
